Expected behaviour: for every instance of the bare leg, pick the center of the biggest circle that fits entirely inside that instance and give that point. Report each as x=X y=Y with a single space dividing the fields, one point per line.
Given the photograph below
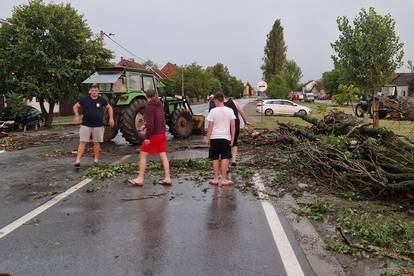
x=166 y=166
x=224 y=169
x=96 y=151
x=142 y=167
x=81 y=150
x=234 y=154
x=216 y=165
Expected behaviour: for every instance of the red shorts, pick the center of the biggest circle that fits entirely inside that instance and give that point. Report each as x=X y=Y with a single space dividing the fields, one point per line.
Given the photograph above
x=158 y=144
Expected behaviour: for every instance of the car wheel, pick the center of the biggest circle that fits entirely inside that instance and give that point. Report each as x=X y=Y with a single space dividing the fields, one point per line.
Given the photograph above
x=268 y=112
x=302 y=112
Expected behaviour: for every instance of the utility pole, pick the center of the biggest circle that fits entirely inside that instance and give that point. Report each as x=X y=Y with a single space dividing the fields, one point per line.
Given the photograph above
x=101 y=38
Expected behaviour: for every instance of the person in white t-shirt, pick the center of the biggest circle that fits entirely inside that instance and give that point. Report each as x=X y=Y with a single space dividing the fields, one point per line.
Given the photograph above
x=220 y=138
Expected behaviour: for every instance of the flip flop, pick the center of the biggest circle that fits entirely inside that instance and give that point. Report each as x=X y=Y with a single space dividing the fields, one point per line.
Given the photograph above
x=162 y=182
x=133 y=182
x=212 y=182
x=227 y=183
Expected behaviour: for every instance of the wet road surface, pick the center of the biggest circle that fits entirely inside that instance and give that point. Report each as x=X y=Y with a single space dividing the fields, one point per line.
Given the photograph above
x=187 y=229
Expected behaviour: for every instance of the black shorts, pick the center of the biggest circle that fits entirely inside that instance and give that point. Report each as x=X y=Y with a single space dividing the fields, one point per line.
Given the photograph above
x=219 y=149
x=236 y=134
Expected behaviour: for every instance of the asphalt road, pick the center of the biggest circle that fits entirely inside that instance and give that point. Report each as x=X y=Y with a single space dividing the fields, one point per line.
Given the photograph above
x=187 y=229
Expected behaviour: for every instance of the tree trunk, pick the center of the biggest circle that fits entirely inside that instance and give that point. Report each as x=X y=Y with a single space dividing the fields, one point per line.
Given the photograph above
x=47 y=114
x=375 y=115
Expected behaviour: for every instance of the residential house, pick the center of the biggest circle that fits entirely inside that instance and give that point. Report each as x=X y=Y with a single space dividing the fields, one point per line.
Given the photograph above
x=314 y=87
x=403 y=83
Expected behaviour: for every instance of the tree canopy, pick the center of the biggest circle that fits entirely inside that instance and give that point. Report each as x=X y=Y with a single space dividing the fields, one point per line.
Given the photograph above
x=368 y=51
x=278 y=87
x=46 y=51
x=292 y=74
x=274 y=52
x=200 y=82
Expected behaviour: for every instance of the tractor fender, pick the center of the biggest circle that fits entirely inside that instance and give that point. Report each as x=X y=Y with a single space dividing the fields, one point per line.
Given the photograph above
x=127 y=99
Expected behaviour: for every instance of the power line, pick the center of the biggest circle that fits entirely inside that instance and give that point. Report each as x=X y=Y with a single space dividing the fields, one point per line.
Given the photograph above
x=131 y=53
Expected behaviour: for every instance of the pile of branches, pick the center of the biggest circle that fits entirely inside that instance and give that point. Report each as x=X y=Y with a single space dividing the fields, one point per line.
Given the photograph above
x=344 y=153
x=404 y=107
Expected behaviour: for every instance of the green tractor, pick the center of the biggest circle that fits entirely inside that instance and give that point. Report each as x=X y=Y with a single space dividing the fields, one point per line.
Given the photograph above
x=124 y=88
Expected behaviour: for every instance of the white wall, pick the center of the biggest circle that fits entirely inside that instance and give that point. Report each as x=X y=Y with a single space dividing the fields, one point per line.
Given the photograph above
x=36 y=105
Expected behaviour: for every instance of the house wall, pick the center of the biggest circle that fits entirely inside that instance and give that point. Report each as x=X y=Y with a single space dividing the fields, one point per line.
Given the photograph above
x=402 y=91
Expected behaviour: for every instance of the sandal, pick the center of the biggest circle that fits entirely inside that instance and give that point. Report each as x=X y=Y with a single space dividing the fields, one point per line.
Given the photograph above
x=227 y=183
x=133 y=182
x=212 y=182
x=163 y=182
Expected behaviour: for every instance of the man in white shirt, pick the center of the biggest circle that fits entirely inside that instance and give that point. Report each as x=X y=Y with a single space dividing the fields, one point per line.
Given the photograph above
x=220 y=138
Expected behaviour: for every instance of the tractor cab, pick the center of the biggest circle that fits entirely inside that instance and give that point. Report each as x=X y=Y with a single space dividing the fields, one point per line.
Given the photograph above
x=125 y=90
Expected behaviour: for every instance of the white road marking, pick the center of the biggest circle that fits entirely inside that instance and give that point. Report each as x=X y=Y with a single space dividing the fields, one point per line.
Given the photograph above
x=1 y=151
x=288 y=256
x=32 y=214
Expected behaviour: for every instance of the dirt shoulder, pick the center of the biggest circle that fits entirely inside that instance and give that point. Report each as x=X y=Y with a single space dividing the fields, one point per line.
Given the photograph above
x=367 y=235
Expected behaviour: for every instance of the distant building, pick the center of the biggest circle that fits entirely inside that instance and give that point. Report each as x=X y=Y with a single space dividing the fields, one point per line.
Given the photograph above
x=314 y=87
x=403 y=83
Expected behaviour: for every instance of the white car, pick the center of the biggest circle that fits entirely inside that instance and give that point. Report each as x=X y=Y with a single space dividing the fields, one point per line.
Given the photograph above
x=281 y=107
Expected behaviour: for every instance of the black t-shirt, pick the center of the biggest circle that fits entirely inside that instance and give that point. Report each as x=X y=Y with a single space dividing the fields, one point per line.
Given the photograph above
x=92 y=110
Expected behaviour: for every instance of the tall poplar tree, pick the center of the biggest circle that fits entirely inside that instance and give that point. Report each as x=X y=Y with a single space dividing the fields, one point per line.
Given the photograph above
x=274 y=52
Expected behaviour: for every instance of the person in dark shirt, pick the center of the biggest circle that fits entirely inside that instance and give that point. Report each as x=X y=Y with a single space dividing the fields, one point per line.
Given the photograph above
x=155 y=139
x=92 y=122
x=235 y=106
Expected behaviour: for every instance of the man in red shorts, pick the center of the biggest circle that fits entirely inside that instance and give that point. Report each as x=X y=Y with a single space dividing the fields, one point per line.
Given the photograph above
x=155 y=139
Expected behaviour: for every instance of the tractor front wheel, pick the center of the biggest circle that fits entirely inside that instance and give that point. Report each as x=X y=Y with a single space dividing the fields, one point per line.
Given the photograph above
x=132 y=123
x=182 y=123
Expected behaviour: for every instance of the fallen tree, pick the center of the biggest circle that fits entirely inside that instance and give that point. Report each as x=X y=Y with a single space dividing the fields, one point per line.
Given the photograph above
x=341 y=151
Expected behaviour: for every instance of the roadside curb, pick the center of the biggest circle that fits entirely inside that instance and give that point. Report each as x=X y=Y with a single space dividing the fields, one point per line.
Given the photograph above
x=322 y=261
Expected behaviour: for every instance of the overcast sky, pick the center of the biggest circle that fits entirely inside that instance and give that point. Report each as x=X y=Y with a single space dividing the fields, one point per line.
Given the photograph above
x=232 y=32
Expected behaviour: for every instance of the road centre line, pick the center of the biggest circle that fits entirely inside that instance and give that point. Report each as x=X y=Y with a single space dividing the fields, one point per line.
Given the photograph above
x=288 y=256
x=32 y=214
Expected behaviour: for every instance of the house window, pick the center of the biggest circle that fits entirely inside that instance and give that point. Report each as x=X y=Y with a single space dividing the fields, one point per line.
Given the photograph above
x=404 y=93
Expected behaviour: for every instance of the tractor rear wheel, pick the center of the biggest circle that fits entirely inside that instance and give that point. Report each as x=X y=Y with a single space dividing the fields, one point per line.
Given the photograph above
x=131 y=121
x=182 y=123
x=110 y=133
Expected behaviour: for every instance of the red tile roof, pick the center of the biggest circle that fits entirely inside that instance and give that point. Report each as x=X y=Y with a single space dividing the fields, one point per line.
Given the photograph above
x=130 y=63
x=169 y=69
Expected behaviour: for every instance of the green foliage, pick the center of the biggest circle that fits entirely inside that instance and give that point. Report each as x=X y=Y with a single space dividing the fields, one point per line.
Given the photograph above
x=198 y=83
x=332 y=79
x=369 y=51
x=278 y=87
x=373 y=231
x=230 y=85
x=16 y=103
x=281 y=177
x=151 y=64
x=315 y=211
x=346 y=94
x=410 y=66
x=293 y=74
x=179 y=165
x=246 y=174
x=339 y=142
x=321 y=108
x=46 y=51
x=274 y=52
